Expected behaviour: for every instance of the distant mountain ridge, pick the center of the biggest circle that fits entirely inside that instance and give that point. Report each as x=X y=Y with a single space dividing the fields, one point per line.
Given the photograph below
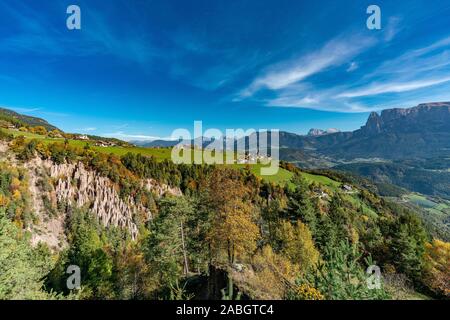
x=401 y=133
x=20 y=119
x=320 y=132
x=422 y=131
x=426 y=117
x=156 y=143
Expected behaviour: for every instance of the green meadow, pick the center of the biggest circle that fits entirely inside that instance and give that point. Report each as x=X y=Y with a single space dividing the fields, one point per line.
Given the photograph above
x=283 y=176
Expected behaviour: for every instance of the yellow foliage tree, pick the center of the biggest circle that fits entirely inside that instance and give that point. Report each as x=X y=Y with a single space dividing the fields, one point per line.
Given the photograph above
x=39 y=130
x=298 y=245
x=42 y=149
x=233 y=229
x=274 y=275
x=437 y=267
x=16 y=195
x=15 y=184
x=306 y=292
x=4 y=201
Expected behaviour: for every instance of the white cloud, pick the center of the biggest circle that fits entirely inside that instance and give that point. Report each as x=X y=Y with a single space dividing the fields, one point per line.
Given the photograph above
x=129 y=137
x=286 y=73
x=392 y=28
x=22 y=110
x=376 y=89
x=417 y=60
x=445 y=42
x=293 y=101
x=352 y=66
x=88 y=129
x=323 y=104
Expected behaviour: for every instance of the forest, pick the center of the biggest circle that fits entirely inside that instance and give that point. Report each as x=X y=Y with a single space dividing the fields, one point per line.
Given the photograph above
x=230 y=235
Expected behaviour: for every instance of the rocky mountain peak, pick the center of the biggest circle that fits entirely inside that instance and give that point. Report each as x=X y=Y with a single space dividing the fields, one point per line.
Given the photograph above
x=430 y=117
x=374 y=124
x=319 y=132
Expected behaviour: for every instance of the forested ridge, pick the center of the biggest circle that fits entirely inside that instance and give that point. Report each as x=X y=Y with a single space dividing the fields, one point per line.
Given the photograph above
x=230 y=235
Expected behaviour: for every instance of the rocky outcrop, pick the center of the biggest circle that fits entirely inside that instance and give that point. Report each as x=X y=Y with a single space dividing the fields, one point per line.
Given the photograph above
x=374 y=124
x=426 y=117
x=47 y=228
x=160 y=189
x=78 y=186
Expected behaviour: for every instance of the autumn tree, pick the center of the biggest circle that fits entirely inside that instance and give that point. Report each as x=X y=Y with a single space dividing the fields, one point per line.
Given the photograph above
x=298 y=245
x=131 y=273
x=437 y=267
x=39 y=130
x=233 y=228
x=274 y=274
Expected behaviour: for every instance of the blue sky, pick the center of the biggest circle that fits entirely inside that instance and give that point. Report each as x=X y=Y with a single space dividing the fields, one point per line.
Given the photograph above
x=140 y=69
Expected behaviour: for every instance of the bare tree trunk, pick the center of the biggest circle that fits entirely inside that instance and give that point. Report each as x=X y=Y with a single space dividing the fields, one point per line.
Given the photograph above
x=229 y=252
x=186 y=266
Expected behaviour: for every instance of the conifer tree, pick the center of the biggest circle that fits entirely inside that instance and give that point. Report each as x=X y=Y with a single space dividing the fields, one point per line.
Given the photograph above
x=300 y=205
x=21 y=267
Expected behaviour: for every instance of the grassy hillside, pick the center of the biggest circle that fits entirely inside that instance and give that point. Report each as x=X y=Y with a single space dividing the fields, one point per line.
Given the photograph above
x=327 y=212
x=438 y=212
x=433 y=210
x=22 y=120
x=283 y=176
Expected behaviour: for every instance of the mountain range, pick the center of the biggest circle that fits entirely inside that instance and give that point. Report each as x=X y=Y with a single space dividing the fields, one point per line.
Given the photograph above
x=419 y=132
x=396 y=146
x=407 y=147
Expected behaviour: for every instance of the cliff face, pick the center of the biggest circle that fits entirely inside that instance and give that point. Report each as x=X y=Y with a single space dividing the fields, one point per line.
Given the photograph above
x=419 y=132
x=77 y=186
x=374 y=124
x=426 y=117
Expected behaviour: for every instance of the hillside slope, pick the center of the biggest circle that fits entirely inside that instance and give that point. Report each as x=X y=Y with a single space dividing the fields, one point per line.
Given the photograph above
x=20 y=120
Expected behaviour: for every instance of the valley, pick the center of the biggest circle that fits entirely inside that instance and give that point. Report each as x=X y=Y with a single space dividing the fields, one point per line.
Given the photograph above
x=142 y=227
